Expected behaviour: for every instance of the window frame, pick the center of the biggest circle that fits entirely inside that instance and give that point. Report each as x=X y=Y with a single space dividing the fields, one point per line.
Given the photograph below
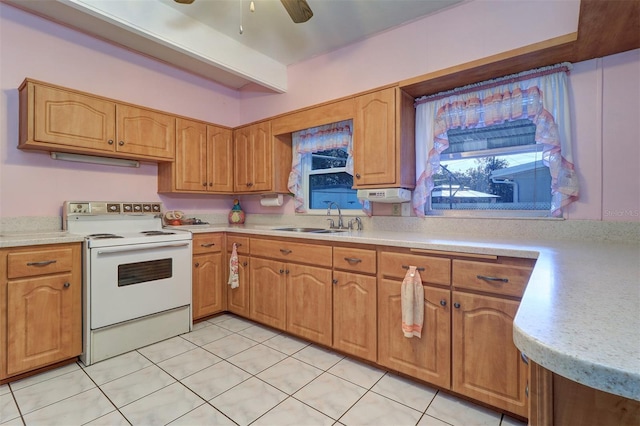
x=306 y=172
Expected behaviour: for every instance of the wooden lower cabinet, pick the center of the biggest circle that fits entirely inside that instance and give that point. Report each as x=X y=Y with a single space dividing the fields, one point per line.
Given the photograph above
x=354 y=314
x=267 y=292
x=556 y=400
x=309 y=302
x=207 y=297
x=487 y=366
x=427 y=358
x=40 y=307
x=238 y=298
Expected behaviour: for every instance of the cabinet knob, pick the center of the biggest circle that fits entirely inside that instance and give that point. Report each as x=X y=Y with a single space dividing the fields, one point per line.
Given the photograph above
x=285 y=251
x=204 y=183
x=67 y=285
x=282 y=271
x=443 y=302
x=357 y=175
x=456 y=305
x=210 y=183
x=197 y=264
x=121 y=143
x=286 y=271
x=249 y=184
x=245 y=263
x=334 y=281
x=110 y=141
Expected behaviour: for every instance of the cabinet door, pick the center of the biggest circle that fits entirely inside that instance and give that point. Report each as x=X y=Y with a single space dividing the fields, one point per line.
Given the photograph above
x=354 y=314
x=427 y=358
x=238 y=298
x=144 y=132
x=252 y=158
x=309 y=302
x=374 y=139
x=72 y=119
x=43 y=321
x=191 y=155
x=267 y=292
x=220 y=159
x=207 y=285
x=483 y=336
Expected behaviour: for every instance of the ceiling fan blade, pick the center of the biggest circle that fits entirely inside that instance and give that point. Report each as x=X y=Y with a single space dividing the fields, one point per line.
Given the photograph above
x=299 y=10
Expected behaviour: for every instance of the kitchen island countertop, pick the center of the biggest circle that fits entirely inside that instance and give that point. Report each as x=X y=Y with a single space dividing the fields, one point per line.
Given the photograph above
x=580 y=313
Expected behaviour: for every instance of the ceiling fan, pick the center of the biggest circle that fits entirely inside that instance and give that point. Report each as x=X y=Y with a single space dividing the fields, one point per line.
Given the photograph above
x=299 y=10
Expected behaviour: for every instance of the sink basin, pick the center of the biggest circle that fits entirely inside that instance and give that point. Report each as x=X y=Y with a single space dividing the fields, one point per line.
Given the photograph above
x=311 y=230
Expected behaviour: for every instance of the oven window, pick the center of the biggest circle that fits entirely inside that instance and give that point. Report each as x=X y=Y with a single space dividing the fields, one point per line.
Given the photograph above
x=140 y=272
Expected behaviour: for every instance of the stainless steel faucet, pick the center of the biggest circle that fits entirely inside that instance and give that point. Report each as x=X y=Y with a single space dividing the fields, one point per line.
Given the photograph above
x=340 y=222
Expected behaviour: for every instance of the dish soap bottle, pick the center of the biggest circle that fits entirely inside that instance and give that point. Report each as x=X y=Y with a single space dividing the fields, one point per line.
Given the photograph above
x=236 y=215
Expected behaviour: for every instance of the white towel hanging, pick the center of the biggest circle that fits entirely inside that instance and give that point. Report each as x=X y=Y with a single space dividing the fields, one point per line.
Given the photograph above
x=412 y=302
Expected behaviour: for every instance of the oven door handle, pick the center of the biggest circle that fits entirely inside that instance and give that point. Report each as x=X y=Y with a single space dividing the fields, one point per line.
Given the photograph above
x=144 y=248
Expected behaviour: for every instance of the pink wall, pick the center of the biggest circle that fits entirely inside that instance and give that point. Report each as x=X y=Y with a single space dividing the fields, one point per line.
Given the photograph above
x=31 y=184
x=436 y=42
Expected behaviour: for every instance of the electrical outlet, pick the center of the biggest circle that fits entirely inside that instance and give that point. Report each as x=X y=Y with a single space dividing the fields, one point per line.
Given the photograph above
x=396 y=209
x=406 y=209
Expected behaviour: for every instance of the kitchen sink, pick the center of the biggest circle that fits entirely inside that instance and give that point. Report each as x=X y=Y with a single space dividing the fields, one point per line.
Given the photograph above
x=310 y=230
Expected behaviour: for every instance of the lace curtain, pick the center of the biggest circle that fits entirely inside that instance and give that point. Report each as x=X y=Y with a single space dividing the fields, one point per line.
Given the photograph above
x=306 y=142
x=539 y=95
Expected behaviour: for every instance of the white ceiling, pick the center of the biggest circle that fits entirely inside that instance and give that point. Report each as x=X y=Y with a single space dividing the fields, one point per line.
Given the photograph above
x=204 y=37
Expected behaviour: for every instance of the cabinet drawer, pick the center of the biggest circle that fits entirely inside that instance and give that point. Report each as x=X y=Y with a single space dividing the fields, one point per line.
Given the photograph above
x=207 y=243
x=356 y=260
x=507 y=280
x=433 y=270
x=292 y=252
x=39 y=262
x=242 y=244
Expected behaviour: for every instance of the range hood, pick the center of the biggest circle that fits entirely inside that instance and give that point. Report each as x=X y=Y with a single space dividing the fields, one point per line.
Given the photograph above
x=385 y=195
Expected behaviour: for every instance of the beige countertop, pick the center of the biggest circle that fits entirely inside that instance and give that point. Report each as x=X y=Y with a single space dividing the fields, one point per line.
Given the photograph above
x=579 y=316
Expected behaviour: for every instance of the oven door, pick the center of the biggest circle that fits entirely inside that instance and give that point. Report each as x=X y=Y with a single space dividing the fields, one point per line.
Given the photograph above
x=128 y=282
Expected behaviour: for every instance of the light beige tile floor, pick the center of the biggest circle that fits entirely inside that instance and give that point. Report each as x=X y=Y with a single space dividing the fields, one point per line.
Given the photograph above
x=231 y=371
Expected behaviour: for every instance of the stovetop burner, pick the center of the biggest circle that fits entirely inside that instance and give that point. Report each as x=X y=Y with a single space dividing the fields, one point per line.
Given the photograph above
x=104 y=236
x=151 y=233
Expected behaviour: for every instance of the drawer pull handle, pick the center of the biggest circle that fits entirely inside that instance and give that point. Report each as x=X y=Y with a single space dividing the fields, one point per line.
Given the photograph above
x=42 y=263
x=353 y=260
x=207 y=245
x=285 y=251
x=421 y=269
x=486 y=278
x=525 y=358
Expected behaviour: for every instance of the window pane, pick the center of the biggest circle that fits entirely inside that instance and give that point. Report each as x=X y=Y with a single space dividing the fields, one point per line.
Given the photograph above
x=327 y=187
x=516 y=181
x=329 y=159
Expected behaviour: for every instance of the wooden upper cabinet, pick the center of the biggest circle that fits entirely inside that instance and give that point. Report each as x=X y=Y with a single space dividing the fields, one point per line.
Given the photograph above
x=144 y=132
x=191 y=156
x=219 y=156
x=55 y=118
x=252 y=158
x=383 y=140
x=203 y=160
x=262 y=161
